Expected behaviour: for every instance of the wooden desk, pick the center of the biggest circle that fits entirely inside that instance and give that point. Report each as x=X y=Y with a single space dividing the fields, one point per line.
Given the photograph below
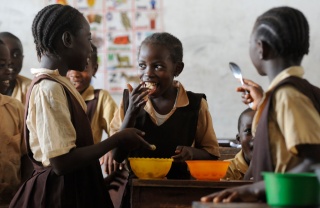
x=166 y=193
x=229 y=205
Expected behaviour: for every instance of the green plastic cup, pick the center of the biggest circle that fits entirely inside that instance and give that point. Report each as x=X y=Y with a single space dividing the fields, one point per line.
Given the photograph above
x=291 y=189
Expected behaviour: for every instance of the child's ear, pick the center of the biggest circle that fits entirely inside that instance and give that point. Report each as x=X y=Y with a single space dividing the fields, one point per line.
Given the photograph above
x=264 y=50
x=95 y=69
x=67 y=39
x=238 y=138
x=179 y=68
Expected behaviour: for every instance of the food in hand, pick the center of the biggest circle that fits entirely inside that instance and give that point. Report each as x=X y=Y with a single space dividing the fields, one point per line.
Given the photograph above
x=152 y=86
x=153 y=147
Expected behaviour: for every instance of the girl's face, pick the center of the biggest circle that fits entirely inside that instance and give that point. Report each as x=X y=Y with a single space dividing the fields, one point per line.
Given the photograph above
x=82 y=47
x=157 y=68
x=5 y=73
x=256 y=58
x=81 y=80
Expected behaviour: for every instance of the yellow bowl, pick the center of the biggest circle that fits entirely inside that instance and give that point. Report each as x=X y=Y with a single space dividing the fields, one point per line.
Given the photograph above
x=208 y=169
x=150 y=168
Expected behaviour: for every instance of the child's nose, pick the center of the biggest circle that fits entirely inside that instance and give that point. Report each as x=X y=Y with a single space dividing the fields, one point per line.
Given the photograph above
x=148 y=71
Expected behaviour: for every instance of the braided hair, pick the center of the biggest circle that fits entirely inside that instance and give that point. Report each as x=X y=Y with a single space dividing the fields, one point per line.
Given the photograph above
x=169 y=41
x=50 y=23
x=286 y=30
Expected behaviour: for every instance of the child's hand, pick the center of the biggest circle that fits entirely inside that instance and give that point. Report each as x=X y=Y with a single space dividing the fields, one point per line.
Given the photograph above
x=137 y=98
x=183 y=153
x=254 y=95
x=116 y=179
x=131 y=139
x=110 y=165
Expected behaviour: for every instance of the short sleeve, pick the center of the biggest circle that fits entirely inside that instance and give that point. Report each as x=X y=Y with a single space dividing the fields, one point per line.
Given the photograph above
x=50 y=121
x=205 y=136
x=297 y=118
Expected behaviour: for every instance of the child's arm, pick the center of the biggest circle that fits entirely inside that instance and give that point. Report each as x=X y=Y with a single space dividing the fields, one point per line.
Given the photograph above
x=248 y=193
x=184 y=153
x=137 y=100
x=80 y=157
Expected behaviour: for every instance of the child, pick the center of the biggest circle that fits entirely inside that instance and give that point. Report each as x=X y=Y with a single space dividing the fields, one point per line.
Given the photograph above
x=100 y=105
x=11 y=133
x=58 y=134
x=177 y=121
x=240 y=164
x=287 y=138
x=18 y=84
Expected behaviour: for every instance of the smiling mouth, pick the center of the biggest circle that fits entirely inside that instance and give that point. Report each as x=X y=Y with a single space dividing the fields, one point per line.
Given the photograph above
x=6 y=83
x=152 y=86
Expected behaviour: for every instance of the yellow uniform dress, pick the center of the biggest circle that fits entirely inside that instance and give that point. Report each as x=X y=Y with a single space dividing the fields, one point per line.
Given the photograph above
x=293 y=120
x=106 y=108
x=12 y=145
x=21 y=88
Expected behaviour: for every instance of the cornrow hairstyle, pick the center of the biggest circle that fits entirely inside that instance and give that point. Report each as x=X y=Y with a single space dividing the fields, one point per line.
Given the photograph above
x=50 y=23
x=240 y=117
x=286 y=30
x=169 y=41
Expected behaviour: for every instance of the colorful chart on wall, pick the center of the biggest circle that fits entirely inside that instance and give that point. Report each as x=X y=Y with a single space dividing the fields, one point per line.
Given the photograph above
x=118 y=28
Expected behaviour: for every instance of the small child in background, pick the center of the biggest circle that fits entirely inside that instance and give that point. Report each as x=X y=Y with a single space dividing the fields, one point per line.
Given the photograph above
x=287 y=122
x=58 y=133
x=177 y=121
x=12 y=147
x=100 y=105
x=240 y=164
x=18 y=84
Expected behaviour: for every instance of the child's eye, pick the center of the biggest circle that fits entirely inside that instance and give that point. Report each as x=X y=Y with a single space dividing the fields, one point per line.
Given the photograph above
x=158 y=67
x=247 y=131
x=142 y=66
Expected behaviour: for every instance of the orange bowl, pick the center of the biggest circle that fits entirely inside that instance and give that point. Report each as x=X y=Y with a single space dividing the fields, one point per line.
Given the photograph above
x=208 y=169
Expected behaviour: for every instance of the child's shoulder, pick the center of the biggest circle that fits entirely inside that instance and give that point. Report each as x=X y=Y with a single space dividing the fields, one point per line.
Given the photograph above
x=11 y=102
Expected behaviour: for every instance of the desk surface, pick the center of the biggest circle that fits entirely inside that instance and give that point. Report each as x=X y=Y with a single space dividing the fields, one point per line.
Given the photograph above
x=167 y=193
x=229 y=205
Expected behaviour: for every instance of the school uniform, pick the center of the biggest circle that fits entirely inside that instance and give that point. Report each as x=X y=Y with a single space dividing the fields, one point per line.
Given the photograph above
x=20 y=89
x=11 y=146
x=189 y=123
x=293 y=120
x=204 y=137
x=56 y=123
x=237 y=167
x=103 y=113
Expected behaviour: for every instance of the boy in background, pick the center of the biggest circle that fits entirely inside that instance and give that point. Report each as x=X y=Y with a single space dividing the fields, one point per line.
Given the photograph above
x=18 y=84
x=11 y=134
x=240 y=163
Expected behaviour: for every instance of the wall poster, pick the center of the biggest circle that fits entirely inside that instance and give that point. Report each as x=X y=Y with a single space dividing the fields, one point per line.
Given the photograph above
x=118 y=28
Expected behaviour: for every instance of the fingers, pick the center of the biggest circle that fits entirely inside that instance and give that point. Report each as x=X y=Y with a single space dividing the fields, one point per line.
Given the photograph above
x=113 y=187
x=101 y=160
x=208 y=198
x=130 y=88
x=178 y=149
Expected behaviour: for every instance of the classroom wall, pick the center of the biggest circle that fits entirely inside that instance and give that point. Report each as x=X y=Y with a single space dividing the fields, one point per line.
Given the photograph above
x=213 y=32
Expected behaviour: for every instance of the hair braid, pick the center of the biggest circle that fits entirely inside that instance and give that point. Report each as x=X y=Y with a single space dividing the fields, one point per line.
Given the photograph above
x=49 y=23
x=286 y=30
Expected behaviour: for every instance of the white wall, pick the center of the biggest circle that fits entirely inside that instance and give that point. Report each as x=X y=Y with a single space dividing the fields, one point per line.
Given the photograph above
x=213 y=32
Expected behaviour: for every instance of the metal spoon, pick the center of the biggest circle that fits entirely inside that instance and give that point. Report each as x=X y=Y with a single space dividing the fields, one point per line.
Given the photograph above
x=236 y=71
